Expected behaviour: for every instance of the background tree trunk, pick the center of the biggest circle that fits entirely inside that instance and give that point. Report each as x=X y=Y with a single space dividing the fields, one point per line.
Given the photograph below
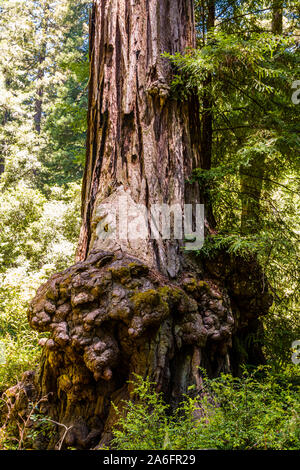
x=252 y=176
x=277 y=17
x=138 y=307
x=38 y=104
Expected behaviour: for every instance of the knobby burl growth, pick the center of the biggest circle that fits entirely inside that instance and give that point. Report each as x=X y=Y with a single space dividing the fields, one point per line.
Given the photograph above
x=111 y=317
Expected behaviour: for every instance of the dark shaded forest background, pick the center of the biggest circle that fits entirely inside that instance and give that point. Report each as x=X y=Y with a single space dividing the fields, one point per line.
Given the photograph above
x=244 y=69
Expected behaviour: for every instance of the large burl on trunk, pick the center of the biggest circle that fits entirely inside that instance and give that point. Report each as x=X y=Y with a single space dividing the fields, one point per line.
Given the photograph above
x=111 y=317
x=138 y=306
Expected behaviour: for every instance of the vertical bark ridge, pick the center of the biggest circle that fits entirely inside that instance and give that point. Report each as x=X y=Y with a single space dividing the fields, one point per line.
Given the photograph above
x=143 y=144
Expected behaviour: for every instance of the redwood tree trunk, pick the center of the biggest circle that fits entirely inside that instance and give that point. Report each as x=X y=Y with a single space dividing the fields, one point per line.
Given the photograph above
x=137 y=306
x=142 y=143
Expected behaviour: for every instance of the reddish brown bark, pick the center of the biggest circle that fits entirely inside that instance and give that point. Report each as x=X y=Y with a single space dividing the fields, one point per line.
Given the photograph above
x=140 y=138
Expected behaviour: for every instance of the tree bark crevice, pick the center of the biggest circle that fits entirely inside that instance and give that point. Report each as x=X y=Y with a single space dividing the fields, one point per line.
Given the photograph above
x=143 y=123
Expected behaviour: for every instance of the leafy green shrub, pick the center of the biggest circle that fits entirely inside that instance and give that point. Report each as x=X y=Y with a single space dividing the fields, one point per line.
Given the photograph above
x=257 y=411
x=19 y=343
x=35 y=231
x=38 y=237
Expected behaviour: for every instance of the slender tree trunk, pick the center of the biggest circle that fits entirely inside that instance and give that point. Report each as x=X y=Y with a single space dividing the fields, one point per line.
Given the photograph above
x=3 y=143
x=39 y=98
x=137 y=306
x=39 y=95
x=277 y=18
